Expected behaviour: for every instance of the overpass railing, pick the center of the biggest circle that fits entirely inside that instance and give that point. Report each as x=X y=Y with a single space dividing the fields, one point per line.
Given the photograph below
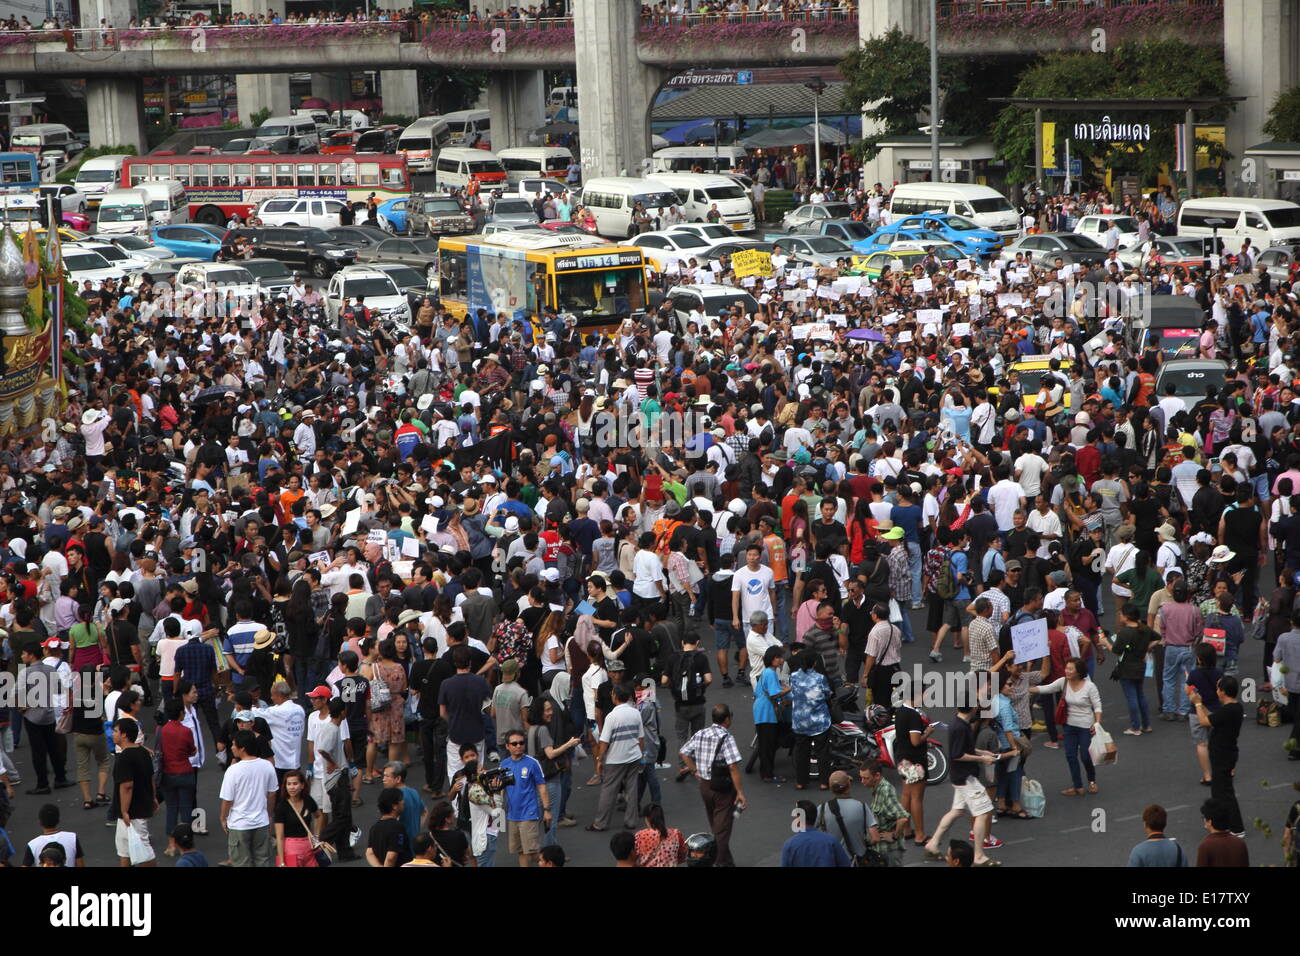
x=950 y=9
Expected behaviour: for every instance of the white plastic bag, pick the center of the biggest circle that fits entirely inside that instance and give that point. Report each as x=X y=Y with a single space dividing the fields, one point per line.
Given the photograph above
x=1278 y=680
x=1102 y=747
x=1033 y=799
x=139 y=850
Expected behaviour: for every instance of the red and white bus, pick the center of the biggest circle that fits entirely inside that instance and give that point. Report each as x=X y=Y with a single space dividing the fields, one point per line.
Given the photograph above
x=218 y=186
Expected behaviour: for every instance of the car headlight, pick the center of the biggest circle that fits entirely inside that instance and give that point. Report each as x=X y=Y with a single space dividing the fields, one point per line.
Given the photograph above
x=335 y=252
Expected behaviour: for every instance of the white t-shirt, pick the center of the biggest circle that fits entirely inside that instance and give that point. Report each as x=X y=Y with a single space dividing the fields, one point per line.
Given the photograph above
x=649 y=572
x=246 y=785
x=1031 y=468
x=754 y=588
x=286 y=722
x=1004 y=499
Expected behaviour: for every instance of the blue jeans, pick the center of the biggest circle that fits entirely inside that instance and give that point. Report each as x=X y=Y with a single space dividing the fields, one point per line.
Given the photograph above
x=914 y=560
x=488 y=856
x=1136 y=699
x=553 y=788
x=1177 y=661
x=649 y=780
x=905 y=625
x=1076 y=749
x=180 y=790
x=782 y=589
x=1009 y=782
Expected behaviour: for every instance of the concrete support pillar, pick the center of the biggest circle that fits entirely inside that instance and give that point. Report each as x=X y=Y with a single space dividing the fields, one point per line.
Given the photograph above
x=400 y=90
x=1261 y=49
x=117 y=13
x=876 y=18
x=331 y=87
x=615 y=88
x=517 y=101
x=116 y=111
x=259 y=91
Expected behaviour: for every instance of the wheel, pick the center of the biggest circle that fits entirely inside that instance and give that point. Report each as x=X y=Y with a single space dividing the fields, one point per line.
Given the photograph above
x=936 y=765
x=319 y=268
x=210 y=216
x=386 y=224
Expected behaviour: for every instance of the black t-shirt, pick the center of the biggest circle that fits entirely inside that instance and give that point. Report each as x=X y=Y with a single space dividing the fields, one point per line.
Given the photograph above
x=832 y=534
x=455 y=843
x=637 y=657
x=422 y=678
x=1225 y=728
x=388 y=836
x=293 y=827
x=961 y=740
x=463 y=696
x=122 y=636
x=353 y=691
x=134 y=766
x=608 y=609
x=906 y=720
x=1241 y=530
x=686 y=676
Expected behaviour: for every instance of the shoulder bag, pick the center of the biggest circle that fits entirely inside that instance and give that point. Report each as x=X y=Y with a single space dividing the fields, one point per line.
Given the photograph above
x=870 y=855
x=323 y=851
x=380 y=694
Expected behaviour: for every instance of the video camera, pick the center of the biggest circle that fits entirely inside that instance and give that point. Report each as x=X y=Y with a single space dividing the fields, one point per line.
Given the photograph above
x=496 y=779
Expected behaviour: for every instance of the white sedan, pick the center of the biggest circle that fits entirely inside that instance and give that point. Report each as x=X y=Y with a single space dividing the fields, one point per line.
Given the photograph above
x=1096 y=227
x=660 y=247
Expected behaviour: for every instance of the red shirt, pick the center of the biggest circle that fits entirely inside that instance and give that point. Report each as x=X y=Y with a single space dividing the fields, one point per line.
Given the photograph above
x=177 y=747
x=1088 y=460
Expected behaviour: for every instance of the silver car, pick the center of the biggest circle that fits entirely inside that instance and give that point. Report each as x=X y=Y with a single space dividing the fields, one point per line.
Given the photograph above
x=1279 y=260
x=815 y=250
x=511 y=211
x=814 y=212
x=1190 y=379
x=1045 y=247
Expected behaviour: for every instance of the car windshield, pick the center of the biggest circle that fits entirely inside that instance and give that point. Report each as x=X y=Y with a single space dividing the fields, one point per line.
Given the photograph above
x=512 y=206
x=372 y=287
x=339 y=139
x=1125 y=224
x=996 y=204
x=96 y=176
x=962 y=224
x=687 y=240
x=484 y=166
x=1191 y=382
x=829 y=245
x=947 y=252
x=314 y=235
x=132 y=243
x=836 y=210
x=716 y=303
x=725 y=192
x=442 y=207
x=116 y=213
x=655 y=200
x=230 y=276
x=1189 y=247
x=267 y=269
x=81 y=261
x=1078 y=243
x=266 y=132
x=111 y=253
x=1284 y=218
x=855 y=230
x=406 y=277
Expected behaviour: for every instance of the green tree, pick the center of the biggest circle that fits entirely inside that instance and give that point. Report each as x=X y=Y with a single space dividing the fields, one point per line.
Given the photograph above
x=1158 y=69
x=451 y=90
x=1284 y=118
x=891 y=74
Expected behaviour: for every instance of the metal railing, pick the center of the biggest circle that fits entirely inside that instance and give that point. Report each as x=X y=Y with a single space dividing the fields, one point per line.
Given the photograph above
x=821 y=14
x=949 y=9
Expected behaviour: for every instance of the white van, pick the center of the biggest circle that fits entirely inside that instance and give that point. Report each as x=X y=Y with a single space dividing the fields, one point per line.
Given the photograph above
x=685 y=159
x=527 y=162
x=167 y=203
x=987 y=207
x=300 y=130
x=457 y=165
x=612 y=199
x=698 y=193
x=97 y=176
x=469 y=127
x=40 y=138
x=562 y=96
x=123 y=211
x=420 y=142
x=1265 y=222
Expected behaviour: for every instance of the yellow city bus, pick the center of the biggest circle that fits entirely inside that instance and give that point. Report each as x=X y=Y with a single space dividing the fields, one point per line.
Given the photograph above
x=521 y=274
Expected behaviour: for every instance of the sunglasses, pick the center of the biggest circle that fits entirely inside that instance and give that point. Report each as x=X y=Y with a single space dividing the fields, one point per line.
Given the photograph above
x=514 y=743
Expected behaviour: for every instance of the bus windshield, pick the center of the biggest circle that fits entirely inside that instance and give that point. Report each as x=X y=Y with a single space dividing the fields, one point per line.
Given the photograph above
x=600 y=292
x=656 y=200
x=484 y=166
x=120 y=213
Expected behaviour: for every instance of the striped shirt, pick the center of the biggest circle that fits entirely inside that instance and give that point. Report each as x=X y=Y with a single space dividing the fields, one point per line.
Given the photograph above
x=621 y=734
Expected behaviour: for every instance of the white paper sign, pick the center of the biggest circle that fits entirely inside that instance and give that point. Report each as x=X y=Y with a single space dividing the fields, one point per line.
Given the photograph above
x=749 y=281
x=959 y=329
x=964 y=265
x=1064 y=274
x=1029 y=640
x=923 y=284
x=988 y=285
x=1010 y=299
x=769 y=284
x=1020 y=275
x=429 y=525
x=321 y=557
x=392 y=552
x=410 y=546
x=379 y=537
x=838 y=319
x=821 y=330
x=929 y=316
x=1044 y=292
x=351 y=523
x=905 y=335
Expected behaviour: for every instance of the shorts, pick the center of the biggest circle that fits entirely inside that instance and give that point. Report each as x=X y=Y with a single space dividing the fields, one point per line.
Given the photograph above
x=722 y=635
x=525 y=836
x=954 y=613
x=971 y=796
x=122 y=842
x=1200 y=735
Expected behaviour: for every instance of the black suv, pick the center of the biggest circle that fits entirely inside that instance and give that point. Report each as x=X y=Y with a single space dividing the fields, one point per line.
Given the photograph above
x=301 y=247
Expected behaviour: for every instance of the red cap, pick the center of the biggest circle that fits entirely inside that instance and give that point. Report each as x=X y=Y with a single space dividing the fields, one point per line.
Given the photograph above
x=321 y=691
x=52 y=642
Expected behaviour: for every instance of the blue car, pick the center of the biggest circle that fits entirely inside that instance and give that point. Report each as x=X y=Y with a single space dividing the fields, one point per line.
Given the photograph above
x=968 y=236
x=882 y=239
x=392 y=215
x=192 y=239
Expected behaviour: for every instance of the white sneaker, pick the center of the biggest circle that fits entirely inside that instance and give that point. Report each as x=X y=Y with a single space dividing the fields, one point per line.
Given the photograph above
x=936 y=656
x=966 y=659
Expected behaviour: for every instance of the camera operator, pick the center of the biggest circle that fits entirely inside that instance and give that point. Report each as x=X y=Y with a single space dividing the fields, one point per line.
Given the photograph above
x=477 y=810
x=528 y=808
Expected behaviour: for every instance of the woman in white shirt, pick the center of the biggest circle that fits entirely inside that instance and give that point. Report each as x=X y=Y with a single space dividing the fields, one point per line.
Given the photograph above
x=1083 y=717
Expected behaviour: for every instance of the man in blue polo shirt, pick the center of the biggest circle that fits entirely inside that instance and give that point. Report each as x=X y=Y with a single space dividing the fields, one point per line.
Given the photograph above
x=528 y=808
x=810 y=847
x=238 y=645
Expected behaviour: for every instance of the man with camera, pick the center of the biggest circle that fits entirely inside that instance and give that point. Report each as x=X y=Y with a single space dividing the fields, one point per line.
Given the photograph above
x=525 y=792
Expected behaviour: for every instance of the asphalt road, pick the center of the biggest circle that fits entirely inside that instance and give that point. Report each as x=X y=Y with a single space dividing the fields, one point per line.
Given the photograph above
x=1093 y=830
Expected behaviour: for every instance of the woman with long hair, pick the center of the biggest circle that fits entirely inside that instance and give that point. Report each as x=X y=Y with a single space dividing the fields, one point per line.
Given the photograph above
x=656 y=844
x=303 y=665
x=800 y=547
x=88 y=640
x=297 y=822
x=549 y=649
x=862 y=527
x=280 y=624
x=388 y=726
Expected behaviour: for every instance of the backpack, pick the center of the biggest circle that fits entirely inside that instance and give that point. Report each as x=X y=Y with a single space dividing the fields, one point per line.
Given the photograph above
x=685 y=690
x=945 y=582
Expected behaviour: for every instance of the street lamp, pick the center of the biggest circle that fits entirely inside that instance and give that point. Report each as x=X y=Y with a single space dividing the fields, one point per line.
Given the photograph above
x=817 y=88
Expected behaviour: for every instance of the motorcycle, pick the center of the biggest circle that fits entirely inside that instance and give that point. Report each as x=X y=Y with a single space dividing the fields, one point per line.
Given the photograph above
x=856 y=737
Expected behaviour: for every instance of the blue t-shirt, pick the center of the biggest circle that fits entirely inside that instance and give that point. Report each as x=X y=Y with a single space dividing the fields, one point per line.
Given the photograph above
x=960 y=417
x=195 y=858
x=522 y=802
x=960 y=565
x=814 y=848
x=907 y=517
x=769 y=684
